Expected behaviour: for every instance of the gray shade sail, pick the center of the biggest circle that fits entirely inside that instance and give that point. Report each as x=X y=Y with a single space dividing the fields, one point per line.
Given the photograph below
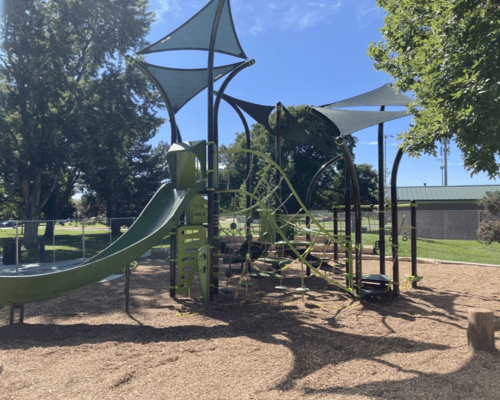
x=348 y=121
x=181 y=85
x=298 y=133
x=195 y=33
x=383 y=96
x=258 y=112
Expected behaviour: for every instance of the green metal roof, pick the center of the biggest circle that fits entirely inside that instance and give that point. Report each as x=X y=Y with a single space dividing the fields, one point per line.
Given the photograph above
x=444 y=193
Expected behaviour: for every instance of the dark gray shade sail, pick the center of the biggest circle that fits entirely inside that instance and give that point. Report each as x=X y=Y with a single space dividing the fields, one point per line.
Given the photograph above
x=195 y=33
x=181 y=85
x=383 y=96
x=258 y=112
x=348 y=121
x=298 y=133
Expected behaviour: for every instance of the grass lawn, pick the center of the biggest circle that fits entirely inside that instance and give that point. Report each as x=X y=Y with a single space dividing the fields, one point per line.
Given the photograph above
x=69 y=245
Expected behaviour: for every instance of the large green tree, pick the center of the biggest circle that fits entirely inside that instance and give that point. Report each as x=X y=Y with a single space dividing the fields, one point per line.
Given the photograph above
x=125 y=190
x=448 y=54
x=68 y=101
x=299 y=161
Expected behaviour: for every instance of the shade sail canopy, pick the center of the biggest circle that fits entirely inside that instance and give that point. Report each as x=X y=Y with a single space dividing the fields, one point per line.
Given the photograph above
x=383 y=96
x=348 y=121
x=195 y=33
x=298 y=133
x=181 y=85
x=258 y=112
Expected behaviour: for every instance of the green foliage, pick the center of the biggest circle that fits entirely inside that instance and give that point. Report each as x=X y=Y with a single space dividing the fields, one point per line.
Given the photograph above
x=68 y=102
x=125 y=191
x=448 y=54
x=299 y=161
x=489 y=229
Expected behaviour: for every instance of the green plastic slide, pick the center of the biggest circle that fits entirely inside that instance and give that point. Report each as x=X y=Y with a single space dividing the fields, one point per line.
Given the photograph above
x=155 y=222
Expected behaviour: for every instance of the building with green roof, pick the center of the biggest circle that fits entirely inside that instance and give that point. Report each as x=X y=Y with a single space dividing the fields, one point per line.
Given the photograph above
x=445 y=212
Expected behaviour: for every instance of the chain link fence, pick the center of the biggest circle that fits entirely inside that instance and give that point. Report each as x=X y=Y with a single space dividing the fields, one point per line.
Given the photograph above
x=59 y=240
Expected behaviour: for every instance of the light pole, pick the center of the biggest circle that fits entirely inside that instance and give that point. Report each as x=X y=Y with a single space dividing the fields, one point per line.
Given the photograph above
x=444 y=152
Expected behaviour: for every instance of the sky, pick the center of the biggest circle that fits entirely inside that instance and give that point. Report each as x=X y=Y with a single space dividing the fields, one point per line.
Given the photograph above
x=306 y=52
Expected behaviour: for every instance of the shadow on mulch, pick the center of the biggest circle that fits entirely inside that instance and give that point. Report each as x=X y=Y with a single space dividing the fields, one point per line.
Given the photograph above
x=314 y=342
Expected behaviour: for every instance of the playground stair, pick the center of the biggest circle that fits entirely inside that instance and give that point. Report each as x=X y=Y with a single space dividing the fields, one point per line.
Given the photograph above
x=375 y=285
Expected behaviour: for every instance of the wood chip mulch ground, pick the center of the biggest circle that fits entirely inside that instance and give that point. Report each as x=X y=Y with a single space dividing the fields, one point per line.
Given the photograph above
x=323 y=345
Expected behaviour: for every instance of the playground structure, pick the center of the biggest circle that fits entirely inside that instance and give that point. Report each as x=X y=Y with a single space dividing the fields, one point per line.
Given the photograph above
x=188 y=209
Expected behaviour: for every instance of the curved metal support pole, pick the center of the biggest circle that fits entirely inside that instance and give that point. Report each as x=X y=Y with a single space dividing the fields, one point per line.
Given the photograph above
x=220 y=93
x=174 y=129
x=249 y=156
x=394 y=211
x=314 y=182
x=213 y=218
x=381 y=196
x=351 y=172
x=357 y=209
x=277 y=154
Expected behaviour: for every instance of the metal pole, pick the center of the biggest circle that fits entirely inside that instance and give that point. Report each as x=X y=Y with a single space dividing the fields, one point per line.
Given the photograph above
x=347 y=218
x=446 y=150
x=83 y=237
x=278 y=147
x=127 y=288
x=173 y=262
x=54 y=244
x=413 y=205
x=381 y=195
x=213 y=218
x=110 y=230
x=17 y=245
x=335 y=233
x=394 y=210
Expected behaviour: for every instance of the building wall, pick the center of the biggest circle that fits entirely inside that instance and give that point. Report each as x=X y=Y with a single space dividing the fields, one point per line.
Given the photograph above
x=446 y=220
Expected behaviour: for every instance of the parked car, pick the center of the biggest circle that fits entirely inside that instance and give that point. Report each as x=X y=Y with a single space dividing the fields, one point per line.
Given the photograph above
x=7 y=224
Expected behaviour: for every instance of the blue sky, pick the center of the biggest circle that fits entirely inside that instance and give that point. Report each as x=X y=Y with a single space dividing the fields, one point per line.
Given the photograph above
x=306 y=52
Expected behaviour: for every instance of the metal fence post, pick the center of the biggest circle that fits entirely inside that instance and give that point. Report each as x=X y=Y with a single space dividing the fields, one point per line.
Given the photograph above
x=17 y=245
x=54 y=243
x=83 y=237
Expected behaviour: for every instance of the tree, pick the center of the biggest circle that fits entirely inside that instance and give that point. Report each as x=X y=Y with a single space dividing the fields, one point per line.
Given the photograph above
x=125 y=191
x=489 y=229
x=68 y=100
x=7 y=209
x=447 y=54
x=299 y=161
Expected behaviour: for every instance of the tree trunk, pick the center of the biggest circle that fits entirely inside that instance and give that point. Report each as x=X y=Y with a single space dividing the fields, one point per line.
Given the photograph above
x=49 y=230
x=115 y=227
x=30 y=240
x=480 y=334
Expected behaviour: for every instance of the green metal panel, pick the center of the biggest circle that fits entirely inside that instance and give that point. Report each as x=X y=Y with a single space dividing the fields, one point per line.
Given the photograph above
x=181 y=159
x=157 y=220
x=198 y=210
x=203 y=271
x=189 y=239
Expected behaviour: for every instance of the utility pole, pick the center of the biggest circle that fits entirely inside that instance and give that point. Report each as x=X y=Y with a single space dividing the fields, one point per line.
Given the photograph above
x=444 y=152
x=440 y=160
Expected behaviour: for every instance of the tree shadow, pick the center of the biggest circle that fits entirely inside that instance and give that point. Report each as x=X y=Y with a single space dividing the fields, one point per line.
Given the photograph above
x=315 y=343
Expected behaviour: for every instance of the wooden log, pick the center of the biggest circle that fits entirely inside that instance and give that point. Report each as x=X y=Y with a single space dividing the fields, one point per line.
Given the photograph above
x=480 y=334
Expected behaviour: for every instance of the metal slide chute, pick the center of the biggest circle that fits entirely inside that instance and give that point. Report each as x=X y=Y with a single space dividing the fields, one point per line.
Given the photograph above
x=156 y=221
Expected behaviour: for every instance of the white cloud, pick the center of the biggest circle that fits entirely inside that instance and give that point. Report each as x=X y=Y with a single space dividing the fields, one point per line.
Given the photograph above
x=257 y=16
x=300 y=16
x=369 y=143
x=366 y=13
x=166 y=9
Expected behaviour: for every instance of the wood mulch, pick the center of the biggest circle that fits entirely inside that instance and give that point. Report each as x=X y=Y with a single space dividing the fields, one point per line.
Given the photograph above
x=271 y=346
